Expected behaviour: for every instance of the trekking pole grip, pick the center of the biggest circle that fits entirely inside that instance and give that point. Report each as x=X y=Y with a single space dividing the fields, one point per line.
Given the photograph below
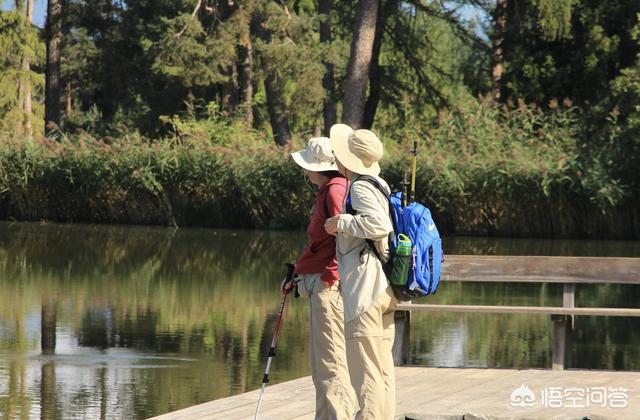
x=290 y=268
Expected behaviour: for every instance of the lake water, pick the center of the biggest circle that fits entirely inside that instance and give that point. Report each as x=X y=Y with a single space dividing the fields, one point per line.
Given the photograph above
x=139 y=321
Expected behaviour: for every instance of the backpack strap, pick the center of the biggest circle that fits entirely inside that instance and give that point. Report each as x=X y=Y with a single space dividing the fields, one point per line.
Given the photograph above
x=350 y=210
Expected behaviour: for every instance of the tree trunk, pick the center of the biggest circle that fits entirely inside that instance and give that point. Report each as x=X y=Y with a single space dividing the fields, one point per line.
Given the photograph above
x=329 y=109
x=112 y=81
x=69 y=102
x=245 y=77
x=24 y=82
x=30 y=11
x=230 y=94
x=497 y=55
x=27 y=105
x=375 y=76
x=273 y=89
x=52 y=70
x=364 y=31
x=277 y=112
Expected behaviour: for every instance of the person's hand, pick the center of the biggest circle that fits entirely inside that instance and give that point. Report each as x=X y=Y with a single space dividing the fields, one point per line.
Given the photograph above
x=331 y=225
x=286 y=286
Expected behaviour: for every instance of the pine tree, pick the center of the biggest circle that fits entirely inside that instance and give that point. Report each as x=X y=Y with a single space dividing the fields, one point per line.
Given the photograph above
x=556 y=49
x=272 y=83
x=52 y=81
x=21 y=53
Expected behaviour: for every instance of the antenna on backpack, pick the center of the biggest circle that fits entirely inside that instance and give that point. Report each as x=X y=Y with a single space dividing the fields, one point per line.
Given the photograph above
x=412 y=193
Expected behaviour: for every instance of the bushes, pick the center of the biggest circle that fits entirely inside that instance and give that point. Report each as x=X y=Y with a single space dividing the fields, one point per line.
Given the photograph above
x=135 y=181
x=483 y=171
x=520 y=172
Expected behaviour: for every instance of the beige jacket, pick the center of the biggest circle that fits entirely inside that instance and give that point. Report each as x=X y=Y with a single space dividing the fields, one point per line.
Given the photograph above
x=361 y=277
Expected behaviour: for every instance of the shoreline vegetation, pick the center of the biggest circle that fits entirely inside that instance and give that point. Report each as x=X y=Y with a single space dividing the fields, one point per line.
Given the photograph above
x=527 y=113
x=484 y=171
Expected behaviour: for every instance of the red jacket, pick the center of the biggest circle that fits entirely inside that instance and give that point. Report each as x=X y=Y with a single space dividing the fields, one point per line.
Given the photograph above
x=319 y=256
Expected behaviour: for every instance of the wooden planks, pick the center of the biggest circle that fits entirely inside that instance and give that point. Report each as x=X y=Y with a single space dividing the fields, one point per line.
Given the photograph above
x=545 y=310
x=532 y=269
x=429 y=392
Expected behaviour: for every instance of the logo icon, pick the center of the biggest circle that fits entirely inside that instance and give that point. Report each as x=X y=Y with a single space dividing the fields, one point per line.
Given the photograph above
x=523 y=397
x=432 y=226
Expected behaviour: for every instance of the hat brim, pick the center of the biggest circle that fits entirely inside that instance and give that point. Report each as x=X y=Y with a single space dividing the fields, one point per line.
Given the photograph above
x=339 y=136
x=303 y=160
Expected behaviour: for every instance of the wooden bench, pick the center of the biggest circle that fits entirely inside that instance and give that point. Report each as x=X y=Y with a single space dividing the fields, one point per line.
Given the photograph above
x=527 y=269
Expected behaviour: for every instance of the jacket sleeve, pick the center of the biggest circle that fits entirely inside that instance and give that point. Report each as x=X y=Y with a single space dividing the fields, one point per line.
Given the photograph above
x=335 y=199
x=372 y=218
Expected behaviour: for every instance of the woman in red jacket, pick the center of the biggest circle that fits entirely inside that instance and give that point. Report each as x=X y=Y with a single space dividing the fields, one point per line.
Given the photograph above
x=317 y=277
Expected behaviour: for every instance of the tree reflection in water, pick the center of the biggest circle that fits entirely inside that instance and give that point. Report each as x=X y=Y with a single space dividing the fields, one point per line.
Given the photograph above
x=149 y=320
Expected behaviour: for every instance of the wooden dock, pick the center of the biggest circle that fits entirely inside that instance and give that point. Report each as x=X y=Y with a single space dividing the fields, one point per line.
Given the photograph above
x=425 y=393
x=455 y=394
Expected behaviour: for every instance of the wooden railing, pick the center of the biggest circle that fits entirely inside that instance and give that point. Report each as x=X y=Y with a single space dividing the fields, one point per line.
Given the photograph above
x=527 y=269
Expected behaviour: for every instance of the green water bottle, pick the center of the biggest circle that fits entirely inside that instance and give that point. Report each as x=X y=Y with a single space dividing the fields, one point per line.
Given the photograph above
x=401 y=261
x=404 y=245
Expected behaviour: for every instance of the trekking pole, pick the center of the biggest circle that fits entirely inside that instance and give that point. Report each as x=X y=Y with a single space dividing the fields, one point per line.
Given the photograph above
x=412 y=194
x=274 y=341
x=405 y=184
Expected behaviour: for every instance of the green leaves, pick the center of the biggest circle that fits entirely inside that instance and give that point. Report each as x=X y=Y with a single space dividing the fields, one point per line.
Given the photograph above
x=19 y=41
x=187 y=53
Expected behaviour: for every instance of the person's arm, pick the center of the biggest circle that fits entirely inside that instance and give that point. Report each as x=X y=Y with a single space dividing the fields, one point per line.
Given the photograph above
x=335 y=199
x=372 y=218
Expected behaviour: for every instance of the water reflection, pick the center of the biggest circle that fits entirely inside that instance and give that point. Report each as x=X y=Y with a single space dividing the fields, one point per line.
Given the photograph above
x=127 y=304
x=104 y=322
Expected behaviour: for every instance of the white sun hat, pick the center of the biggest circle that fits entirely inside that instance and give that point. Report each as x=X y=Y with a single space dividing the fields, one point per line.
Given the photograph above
x=358 y=150
x=317 y=157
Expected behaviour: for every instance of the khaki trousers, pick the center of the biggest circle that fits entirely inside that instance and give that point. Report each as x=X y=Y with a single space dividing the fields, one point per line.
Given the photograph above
x=369 y=340
x=335 y=398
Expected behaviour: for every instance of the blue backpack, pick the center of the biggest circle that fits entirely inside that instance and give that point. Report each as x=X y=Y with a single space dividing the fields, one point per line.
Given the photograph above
x=414 y=221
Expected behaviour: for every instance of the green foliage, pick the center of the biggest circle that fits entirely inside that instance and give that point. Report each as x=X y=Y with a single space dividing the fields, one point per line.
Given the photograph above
x=555 y=17
x=485 y=169
x=508 y=151
x=422 y=65
x=295 y=56
x=173 y=72
x=623 y=126
x=185 y=180
x=566 y=49
x=518 y=172
x=209 y=126
x=186 y=52
x=18 y=40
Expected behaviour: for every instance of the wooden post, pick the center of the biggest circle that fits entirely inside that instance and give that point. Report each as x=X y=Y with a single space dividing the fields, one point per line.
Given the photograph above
x=401 y=340
x=48 y=325
x=562 y=326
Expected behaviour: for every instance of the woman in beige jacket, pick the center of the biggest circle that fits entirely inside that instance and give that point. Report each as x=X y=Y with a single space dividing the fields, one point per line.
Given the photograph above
x=369 y=302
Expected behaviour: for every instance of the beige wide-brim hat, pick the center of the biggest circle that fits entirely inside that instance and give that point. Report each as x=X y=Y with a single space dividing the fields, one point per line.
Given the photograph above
x=317 y=157
x=358 y=150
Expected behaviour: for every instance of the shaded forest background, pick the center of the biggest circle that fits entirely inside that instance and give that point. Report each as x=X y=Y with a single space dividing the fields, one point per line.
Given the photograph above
x=527 y=112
